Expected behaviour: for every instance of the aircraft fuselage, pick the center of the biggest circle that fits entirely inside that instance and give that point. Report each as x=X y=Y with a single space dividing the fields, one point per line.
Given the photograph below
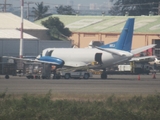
x=80 y=56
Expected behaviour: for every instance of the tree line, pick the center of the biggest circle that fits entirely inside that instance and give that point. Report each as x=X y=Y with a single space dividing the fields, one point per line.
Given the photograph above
x=135 y=7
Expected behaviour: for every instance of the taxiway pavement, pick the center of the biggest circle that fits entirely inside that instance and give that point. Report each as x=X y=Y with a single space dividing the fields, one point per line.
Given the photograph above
x=115 y=84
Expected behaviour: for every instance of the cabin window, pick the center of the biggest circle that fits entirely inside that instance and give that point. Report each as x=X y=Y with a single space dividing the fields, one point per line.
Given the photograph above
x=49 y=53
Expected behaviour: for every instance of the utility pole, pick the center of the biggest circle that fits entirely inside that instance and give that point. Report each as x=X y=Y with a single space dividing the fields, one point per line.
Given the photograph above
x=159 y=9
x=5 y=5
x=28 y=3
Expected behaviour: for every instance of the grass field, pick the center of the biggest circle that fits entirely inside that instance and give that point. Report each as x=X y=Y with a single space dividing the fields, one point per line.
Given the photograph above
x=51 y=107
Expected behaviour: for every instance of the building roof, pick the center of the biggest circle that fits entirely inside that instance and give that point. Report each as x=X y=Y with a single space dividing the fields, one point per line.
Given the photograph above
x=11 y=21
x=108 y=24
x=14 y=34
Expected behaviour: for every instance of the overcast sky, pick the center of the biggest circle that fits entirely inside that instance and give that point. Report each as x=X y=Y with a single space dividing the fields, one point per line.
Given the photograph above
x=83 y=2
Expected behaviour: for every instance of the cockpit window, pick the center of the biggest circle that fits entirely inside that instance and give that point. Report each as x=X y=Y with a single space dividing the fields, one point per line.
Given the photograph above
x=49 y=53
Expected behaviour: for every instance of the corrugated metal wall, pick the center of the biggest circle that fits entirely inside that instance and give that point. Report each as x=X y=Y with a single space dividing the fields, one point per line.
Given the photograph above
x=30 y=47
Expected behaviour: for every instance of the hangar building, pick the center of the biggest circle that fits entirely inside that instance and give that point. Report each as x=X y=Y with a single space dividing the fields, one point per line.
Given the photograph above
x=35 y=37
x=108 y=28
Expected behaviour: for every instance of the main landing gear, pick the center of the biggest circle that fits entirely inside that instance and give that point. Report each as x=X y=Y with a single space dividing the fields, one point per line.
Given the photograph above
x=104 y=74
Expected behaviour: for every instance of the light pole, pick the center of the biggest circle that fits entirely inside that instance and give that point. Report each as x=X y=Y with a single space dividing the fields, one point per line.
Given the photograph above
x=21 y=39
x=28 y=3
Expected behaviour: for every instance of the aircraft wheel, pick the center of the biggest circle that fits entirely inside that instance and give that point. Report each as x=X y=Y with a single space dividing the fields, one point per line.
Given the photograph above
x=28 y=77
x=43 y=77
x=86 y=76
x=58 y=76
x=103 y=76
x=7 y=76
x=67 y=76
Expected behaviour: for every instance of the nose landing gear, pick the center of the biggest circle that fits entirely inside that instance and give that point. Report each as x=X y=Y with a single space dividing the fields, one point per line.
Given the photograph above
x=104 y=74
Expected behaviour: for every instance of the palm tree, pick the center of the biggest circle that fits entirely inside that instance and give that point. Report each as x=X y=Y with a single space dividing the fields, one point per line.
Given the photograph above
x=40 y=11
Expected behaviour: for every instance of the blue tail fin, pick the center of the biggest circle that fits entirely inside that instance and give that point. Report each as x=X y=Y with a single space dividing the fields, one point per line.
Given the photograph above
x=125 y=40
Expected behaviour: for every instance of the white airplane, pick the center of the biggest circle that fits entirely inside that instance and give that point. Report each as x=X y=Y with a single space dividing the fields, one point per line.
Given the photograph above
x=80 y=57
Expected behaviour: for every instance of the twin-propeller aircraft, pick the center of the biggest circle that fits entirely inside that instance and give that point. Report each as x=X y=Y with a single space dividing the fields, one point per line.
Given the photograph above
x=104 y=56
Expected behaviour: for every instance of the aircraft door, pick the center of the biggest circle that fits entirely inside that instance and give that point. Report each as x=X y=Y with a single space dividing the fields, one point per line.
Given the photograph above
x=98 y=58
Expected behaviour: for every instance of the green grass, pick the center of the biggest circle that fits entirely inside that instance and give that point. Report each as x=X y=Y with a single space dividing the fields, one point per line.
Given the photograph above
x=36 y=107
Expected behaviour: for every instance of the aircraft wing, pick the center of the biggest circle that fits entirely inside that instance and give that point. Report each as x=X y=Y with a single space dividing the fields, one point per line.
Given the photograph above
x=144 y=58
x=33 y=60
x=139 y=50
x=15 y=58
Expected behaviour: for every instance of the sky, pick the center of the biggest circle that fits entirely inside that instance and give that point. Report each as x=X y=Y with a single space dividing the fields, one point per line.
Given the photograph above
x=17 y=3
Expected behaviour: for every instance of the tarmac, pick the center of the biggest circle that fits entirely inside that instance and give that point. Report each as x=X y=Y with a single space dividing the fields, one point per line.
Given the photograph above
x=115 y=84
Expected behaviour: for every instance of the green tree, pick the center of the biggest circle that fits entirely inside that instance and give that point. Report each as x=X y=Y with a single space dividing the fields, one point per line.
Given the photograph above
x=56 y=28
x=134 y=7
x=40 y=11
x=65 y=10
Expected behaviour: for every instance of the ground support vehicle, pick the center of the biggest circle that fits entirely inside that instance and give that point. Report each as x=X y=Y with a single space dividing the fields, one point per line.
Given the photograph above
x=132 y=68
x=32 y=70
x=8 y=67
x=46 y=71
x=35 y=70
x=84 y=74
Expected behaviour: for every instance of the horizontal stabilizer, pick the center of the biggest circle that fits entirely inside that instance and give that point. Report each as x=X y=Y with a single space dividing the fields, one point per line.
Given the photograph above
x=139 y=50
x=144 y=58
